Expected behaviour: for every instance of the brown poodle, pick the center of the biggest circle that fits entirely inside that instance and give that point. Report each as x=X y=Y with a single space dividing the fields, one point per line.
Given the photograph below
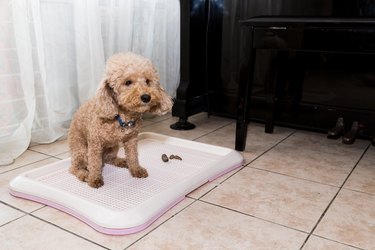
x=113 y=116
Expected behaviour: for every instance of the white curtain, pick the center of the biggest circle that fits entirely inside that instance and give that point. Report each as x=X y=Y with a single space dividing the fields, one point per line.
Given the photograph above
x=53 y=52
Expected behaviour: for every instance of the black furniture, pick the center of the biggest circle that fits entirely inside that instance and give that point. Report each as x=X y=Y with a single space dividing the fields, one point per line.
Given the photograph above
x=285 y=34
x=213 y=49
x=192 y=89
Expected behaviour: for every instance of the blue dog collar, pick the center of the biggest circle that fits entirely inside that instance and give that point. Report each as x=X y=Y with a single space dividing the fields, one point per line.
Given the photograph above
x=123 y=124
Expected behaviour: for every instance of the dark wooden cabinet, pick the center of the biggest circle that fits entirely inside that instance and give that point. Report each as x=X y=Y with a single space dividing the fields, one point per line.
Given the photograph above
x=335 y=62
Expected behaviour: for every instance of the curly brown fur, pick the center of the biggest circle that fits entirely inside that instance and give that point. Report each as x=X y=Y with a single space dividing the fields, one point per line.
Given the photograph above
x=129 y=88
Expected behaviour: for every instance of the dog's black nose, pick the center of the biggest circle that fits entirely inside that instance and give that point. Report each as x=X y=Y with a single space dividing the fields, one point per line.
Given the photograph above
x=145 y=98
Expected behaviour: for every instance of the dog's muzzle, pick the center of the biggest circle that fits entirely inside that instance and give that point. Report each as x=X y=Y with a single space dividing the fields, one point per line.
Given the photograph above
x=145 y=98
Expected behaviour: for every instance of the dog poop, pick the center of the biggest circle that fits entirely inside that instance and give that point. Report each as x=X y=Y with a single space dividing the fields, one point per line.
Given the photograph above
x=164 y=157
x=175 y=157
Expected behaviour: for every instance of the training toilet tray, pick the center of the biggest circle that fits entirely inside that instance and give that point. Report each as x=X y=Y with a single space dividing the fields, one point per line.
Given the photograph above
x=124 y=204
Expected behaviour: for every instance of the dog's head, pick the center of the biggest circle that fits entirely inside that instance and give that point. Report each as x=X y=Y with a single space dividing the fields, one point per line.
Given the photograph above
x=131 y=84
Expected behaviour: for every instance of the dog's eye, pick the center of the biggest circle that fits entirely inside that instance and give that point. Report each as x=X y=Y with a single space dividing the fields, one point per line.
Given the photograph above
x=128 y=82
x=148 y=81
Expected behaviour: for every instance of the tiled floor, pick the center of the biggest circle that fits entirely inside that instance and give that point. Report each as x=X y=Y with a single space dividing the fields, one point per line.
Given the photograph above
x=297 y=190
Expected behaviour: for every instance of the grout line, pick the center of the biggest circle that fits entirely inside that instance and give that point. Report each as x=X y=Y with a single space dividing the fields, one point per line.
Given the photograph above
x=162 y=223
x=75 y=234
x=269 y=149
x=35 y=151
x=235 y=171
x=212 y=131
x=41 y=219
x=214 y=187
x=338 y=242
x=294 y=177
x=13 y=220
x=15 y=208
x=357 y=191
x=253 y=216
x=151 y=124
x=30 y=163
x=334 y=197
x=58 y=158
x=155 y=122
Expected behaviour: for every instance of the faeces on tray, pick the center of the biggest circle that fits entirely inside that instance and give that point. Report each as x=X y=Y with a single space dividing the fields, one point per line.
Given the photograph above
x=165 y=158
x=175 y=157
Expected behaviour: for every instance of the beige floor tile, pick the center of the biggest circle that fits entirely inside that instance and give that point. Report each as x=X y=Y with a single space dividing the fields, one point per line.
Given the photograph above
x=350 y=220
x=204 y=226
x=257 y=141
x=63 y=156
x=113 y=242
x=163 y=128
x=52 y=149
x=19 y=203
x=306 y=164
x=31 y=233
x=26 y=158
x=222 y=137
x=209 y=123
x=320 y=142
x=363 y=177
x=203 y=123
x=281 y=199
x=305 y=156
x=146 y=123
x=317 y=243
x=199 y=192
x=8 y=214
x=155 y=118
x=199 y=117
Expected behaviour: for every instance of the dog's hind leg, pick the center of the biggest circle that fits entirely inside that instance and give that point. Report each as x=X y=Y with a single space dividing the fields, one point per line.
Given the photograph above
x=110 y=156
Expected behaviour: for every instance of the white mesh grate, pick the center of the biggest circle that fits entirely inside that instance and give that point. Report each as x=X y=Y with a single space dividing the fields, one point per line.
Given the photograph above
x=121 y=191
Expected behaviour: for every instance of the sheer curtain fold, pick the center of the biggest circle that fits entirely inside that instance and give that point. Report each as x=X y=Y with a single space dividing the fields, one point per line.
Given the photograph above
x=148 y=27
x=52 y=57
x=17 y=103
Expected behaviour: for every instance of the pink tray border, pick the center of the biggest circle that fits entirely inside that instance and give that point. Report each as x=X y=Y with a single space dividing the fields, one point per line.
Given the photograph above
x=104 y=230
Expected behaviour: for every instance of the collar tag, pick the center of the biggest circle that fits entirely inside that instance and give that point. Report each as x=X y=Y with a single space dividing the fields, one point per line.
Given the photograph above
x=123 y=124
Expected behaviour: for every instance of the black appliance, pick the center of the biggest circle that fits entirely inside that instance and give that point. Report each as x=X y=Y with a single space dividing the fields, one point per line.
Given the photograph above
x=335 y=84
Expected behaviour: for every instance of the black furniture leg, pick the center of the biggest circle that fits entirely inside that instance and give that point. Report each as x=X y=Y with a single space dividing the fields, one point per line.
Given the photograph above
x=275 y=85
x=189 y=94
x=244 y=96
x=296 y=81
x=182 y=124
x=272 y=104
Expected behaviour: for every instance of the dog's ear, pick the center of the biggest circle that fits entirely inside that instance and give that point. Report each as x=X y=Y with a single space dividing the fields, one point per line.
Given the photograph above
x=165 y=102
x=105 y=105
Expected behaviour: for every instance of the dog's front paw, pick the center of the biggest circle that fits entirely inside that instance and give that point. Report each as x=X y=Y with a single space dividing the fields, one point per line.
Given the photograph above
x=139 y=172
x=95 y=182
x=81 y=174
